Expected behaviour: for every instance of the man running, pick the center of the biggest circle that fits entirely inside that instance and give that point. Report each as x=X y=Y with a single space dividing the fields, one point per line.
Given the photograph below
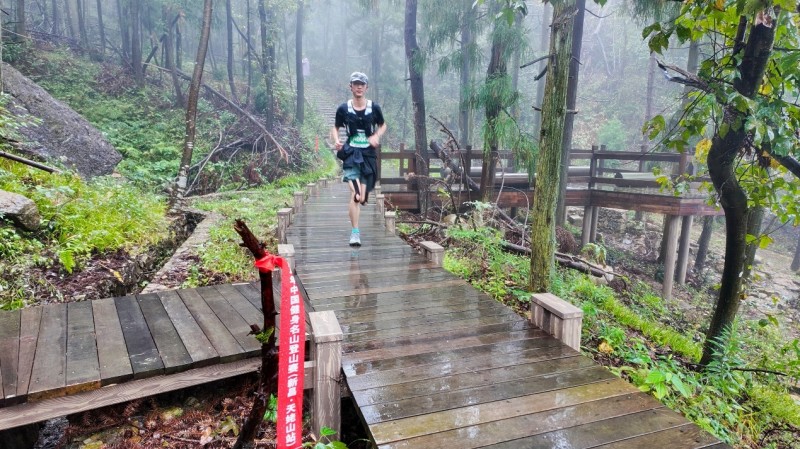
x=364 y=124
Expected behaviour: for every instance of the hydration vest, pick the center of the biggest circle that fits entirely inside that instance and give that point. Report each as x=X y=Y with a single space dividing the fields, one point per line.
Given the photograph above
x=353 y=120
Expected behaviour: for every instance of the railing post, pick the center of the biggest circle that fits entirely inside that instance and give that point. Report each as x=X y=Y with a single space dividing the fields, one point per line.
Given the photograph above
x=433 y=252
x=558 y=318
x=391 y=218
x=284 y=219
x=380 y=200
x=299 y=196
x=311 y=189
x=327 y=356
x=287 y=252
x=323 y=182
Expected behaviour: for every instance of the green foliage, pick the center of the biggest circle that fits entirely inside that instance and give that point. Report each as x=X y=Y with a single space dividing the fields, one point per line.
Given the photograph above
x=614 y=135
x=79 y=219
x=325 y=442
x=271 y=414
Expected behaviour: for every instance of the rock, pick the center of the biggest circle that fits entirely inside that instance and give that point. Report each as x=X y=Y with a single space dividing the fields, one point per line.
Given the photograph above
x=54 y=131
x=20 y=210
x=575 y=220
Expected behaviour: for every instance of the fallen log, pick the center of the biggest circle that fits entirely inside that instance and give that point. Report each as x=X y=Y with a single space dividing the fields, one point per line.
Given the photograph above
x=29 y=162
x=565 y=260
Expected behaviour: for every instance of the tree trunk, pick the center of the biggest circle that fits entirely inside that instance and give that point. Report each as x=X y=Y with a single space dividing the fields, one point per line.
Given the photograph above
x=375 y=49
x=299 y=115
x=169 y=56
x=123 y=10
x=191 y=106
x=414 y=60
x=722 y=160
x=496 y=80
x=796 y=261
x=467 y=48
x=550 y=148
x=101 y=28
x=81 y=9
x=178 y=46
x=229 y=29
x=703 y=242
x=56 y=18
x=21 y=27
x=268 y=380
x=136 y=43
x=543 y=46
x=68 y=17
x=250 y=51
x=267 y=61
x=754 y=219
x=569 y=120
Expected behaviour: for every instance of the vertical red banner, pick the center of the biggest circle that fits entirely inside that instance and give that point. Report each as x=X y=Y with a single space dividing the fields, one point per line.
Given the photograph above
x=291 y=362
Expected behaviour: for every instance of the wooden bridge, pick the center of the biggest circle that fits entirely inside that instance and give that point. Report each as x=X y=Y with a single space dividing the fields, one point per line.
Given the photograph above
x=429 y=361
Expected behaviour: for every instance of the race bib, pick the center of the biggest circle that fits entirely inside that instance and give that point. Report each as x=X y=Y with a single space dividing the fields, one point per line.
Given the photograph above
x=359 y=140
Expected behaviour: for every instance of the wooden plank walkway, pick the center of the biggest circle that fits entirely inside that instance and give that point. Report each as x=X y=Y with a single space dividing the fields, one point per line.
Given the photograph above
x=433 y=363
x=58 y=350
x=430 y=361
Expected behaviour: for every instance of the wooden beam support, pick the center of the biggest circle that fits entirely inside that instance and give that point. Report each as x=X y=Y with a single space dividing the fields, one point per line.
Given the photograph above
x=683 y=249
x=327 y=357
x=671 y=239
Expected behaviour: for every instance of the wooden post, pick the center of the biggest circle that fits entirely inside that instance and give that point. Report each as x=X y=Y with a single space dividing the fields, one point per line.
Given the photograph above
x=601 y=164
x=586 y=230
x=287 y=252
x=391 y=218
x=557 y=317
x=299 y=196
x=671 y=239
x=380 y=200
x=683 y=249
x=433 y=252
x=311 y=189
x=284 y=219
x=377 y=190
x=468 y=162
x=327 y=356
x=593 y=229
x=323 y=182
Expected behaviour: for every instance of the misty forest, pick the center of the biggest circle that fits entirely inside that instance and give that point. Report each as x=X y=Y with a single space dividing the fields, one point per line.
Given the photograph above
x=635 y=159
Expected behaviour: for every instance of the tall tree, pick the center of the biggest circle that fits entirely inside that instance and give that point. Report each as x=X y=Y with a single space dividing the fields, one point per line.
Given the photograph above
x=81 y=10
x=56 y=17
x=497 y=87
x=68 y=17
x=266 y=17
x=136 y=42
x=169 y=51
x=191 y=105
x=569 y=119
x=749 y=117
x=21 y=27
x=299 y=115
x=415 y=61
x=101 y=28
x=548 y=168
x=123 y=10
x=229 y=34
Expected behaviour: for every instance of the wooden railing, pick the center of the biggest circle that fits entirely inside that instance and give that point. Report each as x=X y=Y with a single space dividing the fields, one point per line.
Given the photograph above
x=593 y=167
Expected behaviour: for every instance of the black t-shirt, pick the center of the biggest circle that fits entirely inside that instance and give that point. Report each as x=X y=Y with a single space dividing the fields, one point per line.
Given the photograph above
x=363 y=125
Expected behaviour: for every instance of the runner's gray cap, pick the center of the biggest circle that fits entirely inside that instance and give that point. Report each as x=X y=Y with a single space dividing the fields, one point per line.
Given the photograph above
x=359 y=77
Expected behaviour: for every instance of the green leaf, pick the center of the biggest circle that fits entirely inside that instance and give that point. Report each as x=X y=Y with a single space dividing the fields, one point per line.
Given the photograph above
x=326 y=431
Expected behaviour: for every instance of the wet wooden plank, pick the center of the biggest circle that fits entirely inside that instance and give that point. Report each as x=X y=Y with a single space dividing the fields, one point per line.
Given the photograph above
x=115 y=365
x=599 y=432
x=687 y=436
x=478 y=378
x=234 y=322
x=239 y=302
x=170 y=347
x=459 y=366
x=83 y=366
x=29 y=333
x=224 y=343
x=396 y=277
x=403 y=408
x=362 y=357
x=198 y=346
x=427 y=321
x=142 y=350
x=251 y=292
x=483 y=435
x=352 y=365
x=416 y=308
x=415 y=426
x=9 y=353
x=49 y=364
x=378 y=297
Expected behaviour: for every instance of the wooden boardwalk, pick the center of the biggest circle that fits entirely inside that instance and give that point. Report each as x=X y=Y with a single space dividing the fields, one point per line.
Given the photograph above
x=430 y=361
x=433 y=363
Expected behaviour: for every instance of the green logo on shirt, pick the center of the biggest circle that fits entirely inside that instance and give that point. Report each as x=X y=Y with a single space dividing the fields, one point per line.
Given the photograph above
x=359 y=140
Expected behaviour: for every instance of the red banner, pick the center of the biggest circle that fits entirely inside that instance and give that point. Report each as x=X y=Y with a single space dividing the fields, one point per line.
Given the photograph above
x=291 y=355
